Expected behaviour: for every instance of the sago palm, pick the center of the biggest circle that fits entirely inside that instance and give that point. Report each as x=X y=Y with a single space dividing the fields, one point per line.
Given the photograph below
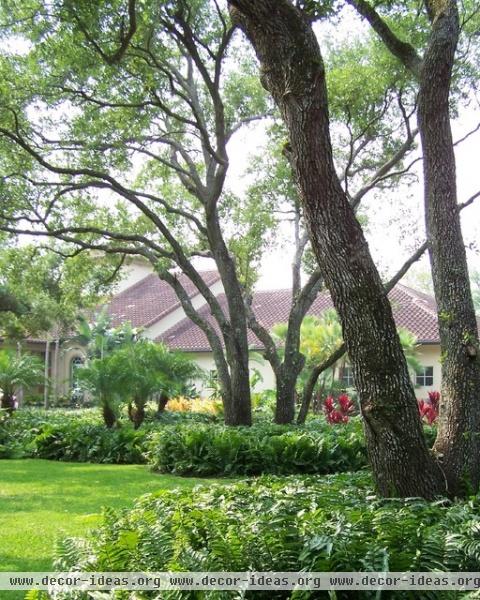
x=147 y=368
x=18 y=371
x=99 y=376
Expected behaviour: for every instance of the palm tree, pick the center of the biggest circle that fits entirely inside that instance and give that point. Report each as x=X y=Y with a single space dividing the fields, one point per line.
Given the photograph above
x=320 y=337
x=147 y=368
x=17 y=371
x=100 y=377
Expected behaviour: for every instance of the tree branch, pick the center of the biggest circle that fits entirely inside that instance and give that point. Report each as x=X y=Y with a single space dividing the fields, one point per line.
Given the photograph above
x=125 y=37
x=404 y=51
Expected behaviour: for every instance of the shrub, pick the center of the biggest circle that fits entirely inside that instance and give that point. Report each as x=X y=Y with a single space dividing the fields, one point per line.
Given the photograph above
x=69 y=436
x=78 y=435
x=203 y=450
x=187 y=443
x=195 y=405
x=19 y=431
x=83 y=442
x=271 y=524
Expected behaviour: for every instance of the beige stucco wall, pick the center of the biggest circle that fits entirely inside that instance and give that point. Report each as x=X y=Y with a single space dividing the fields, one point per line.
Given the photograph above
x=205 y=361
x=135 y=270
x=427 y=356
x=67 y=353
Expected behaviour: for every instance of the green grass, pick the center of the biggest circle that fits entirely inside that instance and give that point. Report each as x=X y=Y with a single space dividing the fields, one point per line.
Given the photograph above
x=42 y=500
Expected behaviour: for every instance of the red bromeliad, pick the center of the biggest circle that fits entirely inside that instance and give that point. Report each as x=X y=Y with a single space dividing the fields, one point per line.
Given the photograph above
x=434 y=398
x=339 y=412
x=429 y=408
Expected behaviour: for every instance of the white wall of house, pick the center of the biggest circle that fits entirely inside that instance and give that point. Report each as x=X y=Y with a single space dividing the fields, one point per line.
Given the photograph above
x=205 y=361
x=133 y=271
x=429 y=356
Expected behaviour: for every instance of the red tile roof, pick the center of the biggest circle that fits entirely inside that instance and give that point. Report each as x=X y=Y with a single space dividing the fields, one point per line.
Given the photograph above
x=151 y=299
x=412 y=310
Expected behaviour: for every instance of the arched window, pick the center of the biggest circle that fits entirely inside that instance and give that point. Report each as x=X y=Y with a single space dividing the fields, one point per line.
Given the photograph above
x=75 y=363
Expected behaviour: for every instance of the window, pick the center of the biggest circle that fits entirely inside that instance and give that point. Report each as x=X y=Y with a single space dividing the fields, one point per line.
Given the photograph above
x=346 y=376
x=75 y=363
x=425 y=376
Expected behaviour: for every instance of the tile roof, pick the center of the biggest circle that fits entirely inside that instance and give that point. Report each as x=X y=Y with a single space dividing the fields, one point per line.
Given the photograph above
x=151 y=299
x=412 y=310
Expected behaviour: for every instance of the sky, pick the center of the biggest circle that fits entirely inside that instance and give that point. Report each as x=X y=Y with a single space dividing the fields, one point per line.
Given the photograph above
x=397 y=228
x=395 y=220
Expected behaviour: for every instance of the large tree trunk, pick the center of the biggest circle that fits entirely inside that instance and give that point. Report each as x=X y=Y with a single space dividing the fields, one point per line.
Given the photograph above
x=240 y=412
x=458 y=441
x=235 y=332
x=286 y=388
x=293 y=71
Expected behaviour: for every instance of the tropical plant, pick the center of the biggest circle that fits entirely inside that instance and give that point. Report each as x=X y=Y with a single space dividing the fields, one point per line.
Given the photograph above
x=410 y=348
x=338 y=411
x=100 y=337
x=209 y=449
x=100 y=377
x=45 y=286
x=146 y=368
x=429 y=409
x=335 y=523
x=319 y=338
x=17 y=371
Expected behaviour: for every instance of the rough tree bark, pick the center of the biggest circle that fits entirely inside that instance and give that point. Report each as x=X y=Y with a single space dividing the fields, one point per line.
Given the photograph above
x=293 y=72
x=235 y=331
x=458 y=441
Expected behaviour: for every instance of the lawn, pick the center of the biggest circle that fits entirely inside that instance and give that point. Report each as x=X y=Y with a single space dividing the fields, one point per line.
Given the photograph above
x=42 y=500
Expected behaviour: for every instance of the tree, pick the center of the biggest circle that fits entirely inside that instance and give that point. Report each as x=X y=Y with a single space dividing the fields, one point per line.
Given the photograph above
x=100 y=338
x=179 y=373
x=157 y=93
x=377 y=143
x=17 y=371
x=319 y=337
x=161 y=98
x=100 y=377
x=44 y=288
x=10 y=303
x=293 y=72
x=458 y=444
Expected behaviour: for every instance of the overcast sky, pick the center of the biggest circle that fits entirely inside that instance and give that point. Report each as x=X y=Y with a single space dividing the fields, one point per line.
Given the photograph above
x=396 y=220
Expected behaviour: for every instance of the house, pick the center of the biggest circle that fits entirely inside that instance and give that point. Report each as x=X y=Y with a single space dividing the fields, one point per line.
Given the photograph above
x=150 y=304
